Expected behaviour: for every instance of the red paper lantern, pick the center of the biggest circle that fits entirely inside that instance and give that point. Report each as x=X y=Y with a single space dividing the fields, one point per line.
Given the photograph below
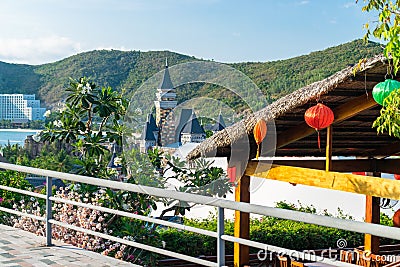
x=319 y=117
x=232 y=174
x=259 y=131
x=396 y=218
x=359 y=173
x=397 y=176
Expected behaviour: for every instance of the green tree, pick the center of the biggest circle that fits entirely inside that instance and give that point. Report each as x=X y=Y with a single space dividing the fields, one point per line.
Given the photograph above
x=90 y=119
x=387 y=28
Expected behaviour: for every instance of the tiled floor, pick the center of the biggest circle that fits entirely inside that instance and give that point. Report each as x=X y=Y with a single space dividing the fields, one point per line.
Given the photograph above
x=20 y=248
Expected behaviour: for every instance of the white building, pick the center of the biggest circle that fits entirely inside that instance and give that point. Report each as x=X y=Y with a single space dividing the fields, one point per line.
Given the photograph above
x=20 y=108
x=192 y=132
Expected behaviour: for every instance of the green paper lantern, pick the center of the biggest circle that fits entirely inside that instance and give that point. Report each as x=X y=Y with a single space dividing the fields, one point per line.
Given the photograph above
x=383 y=89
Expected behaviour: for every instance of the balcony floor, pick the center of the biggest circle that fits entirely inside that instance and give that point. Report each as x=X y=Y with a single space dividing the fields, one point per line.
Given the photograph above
x=20 y=248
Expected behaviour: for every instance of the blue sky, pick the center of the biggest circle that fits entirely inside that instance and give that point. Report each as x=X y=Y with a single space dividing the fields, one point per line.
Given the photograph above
x=41 y=31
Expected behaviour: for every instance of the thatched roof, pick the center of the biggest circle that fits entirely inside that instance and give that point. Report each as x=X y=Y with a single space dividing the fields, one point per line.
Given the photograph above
x=288 y=112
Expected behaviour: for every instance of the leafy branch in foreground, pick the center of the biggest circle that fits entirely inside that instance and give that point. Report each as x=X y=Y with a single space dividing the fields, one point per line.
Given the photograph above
x=199 y=178
x=387 y=27
x=389 y=119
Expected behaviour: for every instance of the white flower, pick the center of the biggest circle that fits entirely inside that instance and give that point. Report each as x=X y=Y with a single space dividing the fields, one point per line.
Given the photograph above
x=138 y=111
x=58 y=123
x=117 y=161
x=86 y=89
x=47 y=113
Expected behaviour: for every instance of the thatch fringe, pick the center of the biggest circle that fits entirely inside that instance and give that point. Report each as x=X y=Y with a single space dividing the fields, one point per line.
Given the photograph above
x=295 y=99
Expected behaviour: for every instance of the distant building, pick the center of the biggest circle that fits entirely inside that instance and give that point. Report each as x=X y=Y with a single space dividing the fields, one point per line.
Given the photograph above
x=219 y=125
x=165 y=104
x=20 y=108
x=165 y=131
x=150 y=134
x=193 y=132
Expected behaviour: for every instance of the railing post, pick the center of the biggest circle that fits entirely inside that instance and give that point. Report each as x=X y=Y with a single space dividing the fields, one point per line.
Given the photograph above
x=220 y=241
x=49 y=185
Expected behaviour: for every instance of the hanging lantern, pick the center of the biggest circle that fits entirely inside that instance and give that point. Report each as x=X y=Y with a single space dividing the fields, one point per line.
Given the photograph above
x=383 y=89
x=359 y=173
x=397 y=176
x=319 y=117
x=259 y=131
x=396 y=218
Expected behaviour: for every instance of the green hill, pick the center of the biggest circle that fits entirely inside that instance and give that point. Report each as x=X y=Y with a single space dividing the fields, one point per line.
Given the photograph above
x=128 y=69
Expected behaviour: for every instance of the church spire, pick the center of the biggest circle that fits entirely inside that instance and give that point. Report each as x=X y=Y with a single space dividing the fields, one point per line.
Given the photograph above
x=166 y=82
x=165 y=104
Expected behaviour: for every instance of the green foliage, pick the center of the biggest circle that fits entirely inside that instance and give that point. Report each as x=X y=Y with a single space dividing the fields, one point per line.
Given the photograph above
x=199 y=178
x=15 y=154
x=15 y=180
x=281 y=77
x=7 y=124
x=86 y=104
x=144 y=169
x=19 y=78
x=389 y=119
x=386 y=220
x=8 y=198
x=209 y=133
x=273 y=231
x=55 y=160
x=386 y=28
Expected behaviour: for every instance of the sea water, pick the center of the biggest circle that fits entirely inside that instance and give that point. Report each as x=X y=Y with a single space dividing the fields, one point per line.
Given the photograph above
x=15 y=136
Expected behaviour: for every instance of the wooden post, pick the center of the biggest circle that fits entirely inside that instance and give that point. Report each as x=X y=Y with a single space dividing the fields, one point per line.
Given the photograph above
x=328 y=152
x=372 y=215
x=242 y=222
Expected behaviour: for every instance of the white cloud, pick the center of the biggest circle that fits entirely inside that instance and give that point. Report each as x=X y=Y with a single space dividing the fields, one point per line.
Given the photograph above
x=304 y=2
x=349 y=4
x=37 y=50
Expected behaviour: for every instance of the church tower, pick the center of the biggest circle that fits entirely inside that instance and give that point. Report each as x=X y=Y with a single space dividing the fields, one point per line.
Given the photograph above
x=165 y=103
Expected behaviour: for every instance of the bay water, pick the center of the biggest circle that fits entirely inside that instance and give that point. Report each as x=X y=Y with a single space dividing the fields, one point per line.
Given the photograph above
x=15 y=136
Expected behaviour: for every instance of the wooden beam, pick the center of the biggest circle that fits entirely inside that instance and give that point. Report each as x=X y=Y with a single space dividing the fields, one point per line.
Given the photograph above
x=328 y=149
x=388 y=166
x=345 y=165
x=342 y=112
x=372 y=215
x=365 y=185
x=242 y=222
x=387 y=150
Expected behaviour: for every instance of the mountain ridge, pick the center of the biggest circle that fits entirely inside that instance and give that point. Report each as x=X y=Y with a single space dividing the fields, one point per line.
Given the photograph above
x=129 y=69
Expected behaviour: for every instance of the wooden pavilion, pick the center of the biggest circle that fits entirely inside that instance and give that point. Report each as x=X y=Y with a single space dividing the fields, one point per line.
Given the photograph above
x=349 y=94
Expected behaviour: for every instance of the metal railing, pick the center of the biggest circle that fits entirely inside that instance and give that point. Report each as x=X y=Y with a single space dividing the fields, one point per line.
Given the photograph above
x=221 y=204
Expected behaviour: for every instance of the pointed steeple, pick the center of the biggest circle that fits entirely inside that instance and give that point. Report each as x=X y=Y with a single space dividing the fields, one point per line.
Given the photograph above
x=149 y=129
x=152 y=122
x=111 y=164
x=220 y=124
x=166 y=82
x=193 y=126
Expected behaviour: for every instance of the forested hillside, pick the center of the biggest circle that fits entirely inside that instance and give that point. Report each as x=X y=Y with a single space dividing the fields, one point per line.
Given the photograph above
x=128 y=69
